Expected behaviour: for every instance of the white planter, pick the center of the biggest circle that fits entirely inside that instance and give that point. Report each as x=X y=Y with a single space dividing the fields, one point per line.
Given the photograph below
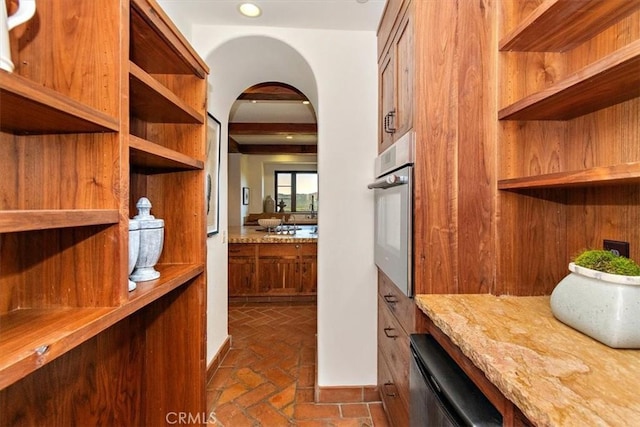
x=604 y=306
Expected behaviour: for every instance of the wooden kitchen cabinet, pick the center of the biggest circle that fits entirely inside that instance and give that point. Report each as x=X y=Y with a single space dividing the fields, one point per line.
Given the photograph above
x=397 y=317
x=447 y=81
x=569 y=143
x=278 y=269
x=272 y=269
x=396 y=75
x=443 y=80
x=106 y=105
x=242 y=268
x=308 y=259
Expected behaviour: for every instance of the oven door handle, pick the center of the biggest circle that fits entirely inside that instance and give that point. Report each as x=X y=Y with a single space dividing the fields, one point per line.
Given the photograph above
x=389 y=181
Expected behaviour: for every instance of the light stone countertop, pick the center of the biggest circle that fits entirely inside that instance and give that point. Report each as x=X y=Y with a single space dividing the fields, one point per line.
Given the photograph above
x=554 y=374
x=255 y=234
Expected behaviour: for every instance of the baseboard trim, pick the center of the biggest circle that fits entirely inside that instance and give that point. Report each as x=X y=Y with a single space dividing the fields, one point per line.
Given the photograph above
x=217 y=359
x=347 y=394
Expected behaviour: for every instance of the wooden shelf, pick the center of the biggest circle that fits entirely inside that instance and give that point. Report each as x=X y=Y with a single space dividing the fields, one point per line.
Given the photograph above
x=152 y=102
x=565 y=24
x=64 y=277
x=146 y=154
x=626 y=173
x=608 y=81
x=171 y=277
x=156 y=43
x=31 y=220
x=52 y=332
x=29 y=108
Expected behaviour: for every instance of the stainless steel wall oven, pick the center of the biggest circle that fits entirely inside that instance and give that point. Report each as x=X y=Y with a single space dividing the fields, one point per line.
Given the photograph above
x=394 y=212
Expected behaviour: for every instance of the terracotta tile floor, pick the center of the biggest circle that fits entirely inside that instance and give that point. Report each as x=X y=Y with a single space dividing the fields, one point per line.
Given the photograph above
x=267 y=378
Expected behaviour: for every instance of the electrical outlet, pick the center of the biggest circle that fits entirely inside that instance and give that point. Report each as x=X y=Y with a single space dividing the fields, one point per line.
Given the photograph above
x=617 y=247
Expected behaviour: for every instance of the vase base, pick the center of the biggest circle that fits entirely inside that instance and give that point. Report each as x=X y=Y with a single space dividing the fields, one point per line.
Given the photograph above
x=144 y=274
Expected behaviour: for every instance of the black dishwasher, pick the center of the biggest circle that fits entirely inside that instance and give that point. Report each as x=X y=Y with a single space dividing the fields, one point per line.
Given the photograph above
x=442 y=395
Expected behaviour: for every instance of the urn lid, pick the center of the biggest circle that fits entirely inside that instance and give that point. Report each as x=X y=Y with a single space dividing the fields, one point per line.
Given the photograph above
x=144 y=216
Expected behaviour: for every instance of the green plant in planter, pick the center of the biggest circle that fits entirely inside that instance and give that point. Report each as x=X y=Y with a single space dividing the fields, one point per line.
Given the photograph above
x=607 y=262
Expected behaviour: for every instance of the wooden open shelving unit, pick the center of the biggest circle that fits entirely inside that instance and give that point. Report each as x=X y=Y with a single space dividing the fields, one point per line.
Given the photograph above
x=560 y=25
x=613 y=79
x=95 y=116
x=569 y=137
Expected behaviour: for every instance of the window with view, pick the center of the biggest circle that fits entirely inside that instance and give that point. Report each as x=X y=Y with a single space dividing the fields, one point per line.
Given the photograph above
x=298 y=190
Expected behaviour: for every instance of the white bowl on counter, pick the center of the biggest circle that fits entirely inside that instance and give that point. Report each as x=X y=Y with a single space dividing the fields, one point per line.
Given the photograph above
x=269 y=222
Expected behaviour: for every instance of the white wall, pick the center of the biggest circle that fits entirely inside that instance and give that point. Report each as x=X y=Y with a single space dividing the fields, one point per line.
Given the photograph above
x=337 y=71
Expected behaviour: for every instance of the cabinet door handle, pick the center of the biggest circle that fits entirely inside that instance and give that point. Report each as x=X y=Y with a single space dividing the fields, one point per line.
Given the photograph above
x=387 y=330
x=390 y=299
x=388 y=127
x=386 y=386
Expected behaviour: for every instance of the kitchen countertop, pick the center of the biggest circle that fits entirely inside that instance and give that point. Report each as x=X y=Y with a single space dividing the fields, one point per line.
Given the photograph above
x=256 y=234
x=554 y=374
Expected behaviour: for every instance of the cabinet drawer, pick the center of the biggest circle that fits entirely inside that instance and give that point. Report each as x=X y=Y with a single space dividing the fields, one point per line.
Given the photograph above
x=242 y=249
x=393 y=343
x=308 y=249
x=402 y=307
x=395 y=401
x=278 y=250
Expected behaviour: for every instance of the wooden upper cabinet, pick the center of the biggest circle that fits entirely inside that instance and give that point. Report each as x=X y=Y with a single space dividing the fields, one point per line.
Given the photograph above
x=396 y=76
x=405 y=74
x=386 y=82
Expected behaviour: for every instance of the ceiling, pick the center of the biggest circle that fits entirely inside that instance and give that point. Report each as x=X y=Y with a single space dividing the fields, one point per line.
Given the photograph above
x=272 y=118
x=351 y=15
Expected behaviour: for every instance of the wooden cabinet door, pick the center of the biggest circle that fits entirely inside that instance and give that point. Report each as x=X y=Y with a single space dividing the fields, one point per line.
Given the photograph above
x=242 y=269
x=241 y=276
x=404 y=76
x=308 y=268
x=278 y=274
x=387 y=104
x=278 y=268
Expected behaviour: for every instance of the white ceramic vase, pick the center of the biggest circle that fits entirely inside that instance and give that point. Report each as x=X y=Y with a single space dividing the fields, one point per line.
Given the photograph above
x=604 y=306
x=134 y=248
x=151 y=243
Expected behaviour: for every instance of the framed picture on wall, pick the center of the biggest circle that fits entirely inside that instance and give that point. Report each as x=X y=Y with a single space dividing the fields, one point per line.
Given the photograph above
x=245 y=195
x=212 y=175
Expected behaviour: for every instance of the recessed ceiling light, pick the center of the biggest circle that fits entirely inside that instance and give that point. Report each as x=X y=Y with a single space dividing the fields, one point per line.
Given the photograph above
x=250 y=10
x=253 y=101
x=305 y=102
x=289 y=137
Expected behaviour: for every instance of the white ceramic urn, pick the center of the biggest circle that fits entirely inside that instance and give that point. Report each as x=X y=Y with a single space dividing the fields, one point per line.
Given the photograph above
x=151 y=242
x=134 y=248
